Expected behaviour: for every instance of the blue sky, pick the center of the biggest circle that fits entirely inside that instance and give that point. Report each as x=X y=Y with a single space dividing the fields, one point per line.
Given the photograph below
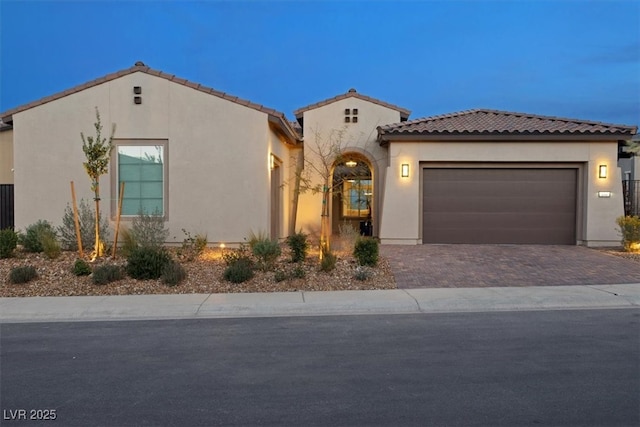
x=575 y=58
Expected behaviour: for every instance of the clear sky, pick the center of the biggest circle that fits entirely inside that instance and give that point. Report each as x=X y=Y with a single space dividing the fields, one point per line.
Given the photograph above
x=578 y=58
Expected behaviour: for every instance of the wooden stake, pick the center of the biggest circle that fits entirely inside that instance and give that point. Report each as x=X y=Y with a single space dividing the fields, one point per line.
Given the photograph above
x=115 y=239
x=76 y=220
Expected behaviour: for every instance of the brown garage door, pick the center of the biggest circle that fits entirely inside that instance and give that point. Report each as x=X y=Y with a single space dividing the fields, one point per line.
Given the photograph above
x=477 y=205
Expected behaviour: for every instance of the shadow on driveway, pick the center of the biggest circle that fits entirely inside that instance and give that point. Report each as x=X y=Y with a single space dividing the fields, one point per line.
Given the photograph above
x=466 y=266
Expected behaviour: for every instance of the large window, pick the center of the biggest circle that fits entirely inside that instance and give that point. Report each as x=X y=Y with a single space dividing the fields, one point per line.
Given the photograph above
x=356 y=198
x=143 y=170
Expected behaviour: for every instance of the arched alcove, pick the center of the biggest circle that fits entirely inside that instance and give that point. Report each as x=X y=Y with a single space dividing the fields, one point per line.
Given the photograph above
x=353 y=195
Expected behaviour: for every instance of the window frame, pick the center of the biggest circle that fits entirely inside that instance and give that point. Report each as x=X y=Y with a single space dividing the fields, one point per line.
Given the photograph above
x=115 y=173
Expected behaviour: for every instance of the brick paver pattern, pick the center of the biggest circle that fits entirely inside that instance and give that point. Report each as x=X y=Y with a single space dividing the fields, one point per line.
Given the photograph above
x=465 y=266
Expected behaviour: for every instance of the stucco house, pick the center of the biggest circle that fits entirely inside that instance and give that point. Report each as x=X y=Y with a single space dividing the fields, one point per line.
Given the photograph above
x=225 y=166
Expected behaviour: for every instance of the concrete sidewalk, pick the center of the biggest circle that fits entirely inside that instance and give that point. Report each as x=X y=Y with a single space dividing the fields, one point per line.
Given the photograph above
x=397 y=301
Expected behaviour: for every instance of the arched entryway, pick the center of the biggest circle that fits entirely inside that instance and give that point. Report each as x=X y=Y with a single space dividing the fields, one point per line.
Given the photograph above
x=353 y=195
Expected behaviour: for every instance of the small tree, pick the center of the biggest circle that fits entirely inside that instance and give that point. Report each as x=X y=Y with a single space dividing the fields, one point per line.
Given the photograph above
x=98 y=152
x=324 y=154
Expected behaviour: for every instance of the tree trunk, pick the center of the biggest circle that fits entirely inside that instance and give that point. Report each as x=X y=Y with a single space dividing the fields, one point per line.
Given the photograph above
x=97 y=244
x=325 y=245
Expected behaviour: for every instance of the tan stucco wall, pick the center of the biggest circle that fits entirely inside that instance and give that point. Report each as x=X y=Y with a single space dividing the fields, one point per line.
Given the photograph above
x=218 y=155
x=326 y=122
x=6 y=157
x=402 y=216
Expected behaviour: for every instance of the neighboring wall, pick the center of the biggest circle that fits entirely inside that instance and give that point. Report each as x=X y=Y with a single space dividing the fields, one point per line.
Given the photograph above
x=326 y=123
x=402 y=215
x=218 y=155
x=6 y=157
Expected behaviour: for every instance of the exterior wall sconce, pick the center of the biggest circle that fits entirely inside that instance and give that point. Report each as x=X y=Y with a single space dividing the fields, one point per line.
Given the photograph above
x=602 y=171
x=272 y=161
x=405 y=170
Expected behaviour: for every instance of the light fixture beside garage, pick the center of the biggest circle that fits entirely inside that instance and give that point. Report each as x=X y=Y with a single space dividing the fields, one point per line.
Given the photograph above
x=405 y=170
x=602 y=171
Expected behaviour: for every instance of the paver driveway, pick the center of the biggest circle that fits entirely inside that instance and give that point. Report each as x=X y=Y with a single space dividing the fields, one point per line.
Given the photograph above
x=461 y=266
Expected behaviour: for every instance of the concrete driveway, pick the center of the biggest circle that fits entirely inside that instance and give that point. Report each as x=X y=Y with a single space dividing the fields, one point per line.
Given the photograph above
x=465 y=266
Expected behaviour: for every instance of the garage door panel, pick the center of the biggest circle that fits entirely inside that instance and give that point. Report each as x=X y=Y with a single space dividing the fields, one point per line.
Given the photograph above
x=475 y=204
x=501 y=205
x=495 y=236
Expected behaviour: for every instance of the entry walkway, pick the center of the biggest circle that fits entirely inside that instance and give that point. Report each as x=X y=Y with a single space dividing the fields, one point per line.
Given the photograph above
x=465 y=266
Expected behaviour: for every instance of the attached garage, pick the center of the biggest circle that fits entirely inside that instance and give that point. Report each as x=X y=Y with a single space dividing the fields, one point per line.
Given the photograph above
x=499 y=177
x=499 y=205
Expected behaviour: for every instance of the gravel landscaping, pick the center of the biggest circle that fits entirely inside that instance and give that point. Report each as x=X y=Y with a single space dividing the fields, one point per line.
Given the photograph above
x=204 y=275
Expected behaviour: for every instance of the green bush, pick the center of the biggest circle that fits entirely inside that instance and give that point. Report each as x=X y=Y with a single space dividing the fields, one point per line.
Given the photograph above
x=366 y=251
x=191 y=246
x=233 y=255
x=362 y=273
x=129 y=242
x=50 y=245
x=266 y=252
x=299 y=246
x=239 y=271
x=280 y=275
x=329 y=260
x=148 y=230
x=173 y=273
x=81 y=268
x=630 y=232
x=22 y=274
x=299 y=272
x=147 y=262
x=32 y=239
x=87 y=220
x=106 y=274
x=8 y=242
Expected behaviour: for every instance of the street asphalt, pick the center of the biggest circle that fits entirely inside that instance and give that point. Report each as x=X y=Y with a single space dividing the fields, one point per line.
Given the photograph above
x=397 y=301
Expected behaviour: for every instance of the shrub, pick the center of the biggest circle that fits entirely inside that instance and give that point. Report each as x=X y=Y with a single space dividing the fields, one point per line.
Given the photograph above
x=630 y=232
x=231 y=256
x=106 y=274
x=8 y=242
x=87 y=220
x=255 y=238
x=32 y=239
x=129 y=242
x=50 y=245
x=280 y=275
x=366 y=251
x=299 y=272
x=81 y=268
x=192 y=246
x=299 y=246
x=173 y=273
x=147 y=262
x=239 y=271
x=148 y=230
x=362 y=273
x=348 y=236
x=22 y=274
x=329 y=260
x=266 y=252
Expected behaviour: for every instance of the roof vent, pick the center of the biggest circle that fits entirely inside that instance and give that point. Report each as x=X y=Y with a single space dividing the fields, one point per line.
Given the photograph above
x=139 y=64
x=352 y=90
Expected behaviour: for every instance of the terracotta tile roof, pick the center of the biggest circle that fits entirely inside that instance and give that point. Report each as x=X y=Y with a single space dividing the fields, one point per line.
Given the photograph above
x=492 y=122
x=404 y=113
x=140 y=67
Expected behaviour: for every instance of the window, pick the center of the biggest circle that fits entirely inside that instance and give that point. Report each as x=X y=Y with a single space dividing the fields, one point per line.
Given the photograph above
x=356 y=198
x=142 y=167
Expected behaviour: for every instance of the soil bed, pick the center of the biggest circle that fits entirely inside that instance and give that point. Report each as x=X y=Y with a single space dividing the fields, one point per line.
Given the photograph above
x=204 y=275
